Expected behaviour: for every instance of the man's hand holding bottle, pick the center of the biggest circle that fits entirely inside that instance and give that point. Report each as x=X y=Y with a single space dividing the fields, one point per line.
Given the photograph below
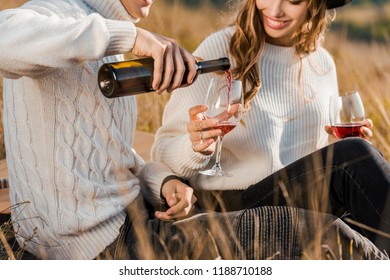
x=170 y=60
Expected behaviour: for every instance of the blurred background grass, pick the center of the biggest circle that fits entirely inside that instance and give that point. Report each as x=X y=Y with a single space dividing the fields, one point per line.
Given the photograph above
x=359 y=41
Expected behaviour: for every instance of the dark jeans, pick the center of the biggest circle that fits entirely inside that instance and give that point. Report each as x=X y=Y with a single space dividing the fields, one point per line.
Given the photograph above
x=348 y=177
x=268 y=232
x=202 y=236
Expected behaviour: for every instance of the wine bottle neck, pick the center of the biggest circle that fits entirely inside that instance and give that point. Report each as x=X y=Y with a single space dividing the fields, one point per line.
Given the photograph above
x=207 y=66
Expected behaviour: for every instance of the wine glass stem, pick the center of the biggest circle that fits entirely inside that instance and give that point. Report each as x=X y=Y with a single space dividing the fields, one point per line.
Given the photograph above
x=218 y=154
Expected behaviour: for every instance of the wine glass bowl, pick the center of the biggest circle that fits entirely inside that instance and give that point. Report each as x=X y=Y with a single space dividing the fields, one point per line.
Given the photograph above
x=225 y=103
x=346 y=114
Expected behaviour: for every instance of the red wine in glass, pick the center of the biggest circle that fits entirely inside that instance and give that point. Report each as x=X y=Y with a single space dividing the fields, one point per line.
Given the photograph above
x=226 y=127
x=344 y=130
x=346 y=114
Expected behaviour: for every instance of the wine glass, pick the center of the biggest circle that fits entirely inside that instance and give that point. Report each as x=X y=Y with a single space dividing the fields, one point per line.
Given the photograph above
x=346 y=113
x=225 y=103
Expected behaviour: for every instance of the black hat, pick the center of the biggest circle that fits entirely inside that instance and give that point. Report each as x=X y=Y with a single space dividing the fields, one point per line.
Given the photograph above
x=331 y=4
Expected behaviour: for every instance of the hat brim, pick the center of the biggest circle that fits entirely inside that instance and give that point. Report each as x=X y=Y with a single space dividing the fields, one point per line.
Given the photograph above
x=332 y=4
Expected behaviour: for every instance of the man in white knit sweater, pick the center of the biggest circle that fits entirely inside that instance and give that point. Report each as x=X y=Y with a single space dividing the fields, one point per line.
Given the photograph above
x=69 y=149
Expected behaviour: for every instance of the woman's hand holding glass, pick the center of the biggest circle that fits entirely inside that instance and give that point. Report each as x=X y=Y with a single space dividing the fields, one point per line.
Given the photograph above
x=365 y=130
x=223 y=113
x=347 y=117
x=202 y=136
x=200 y=127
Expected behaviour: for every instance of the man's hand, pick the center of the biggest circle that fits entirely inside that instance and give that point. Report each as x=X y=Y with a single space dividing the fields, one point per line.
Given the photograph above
x=170 y=60
x=180 y=199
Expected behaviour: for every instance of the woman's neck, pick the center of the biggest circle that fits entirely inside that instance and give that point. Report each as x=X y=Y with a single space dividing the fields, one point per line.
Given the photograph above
x=282 y=42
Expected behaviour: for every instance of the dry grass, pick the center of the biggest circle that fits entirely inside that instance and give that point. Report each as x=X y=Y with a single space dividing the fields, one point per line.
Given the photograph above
x=361 y=66
x=366 y=14
x=8 y=4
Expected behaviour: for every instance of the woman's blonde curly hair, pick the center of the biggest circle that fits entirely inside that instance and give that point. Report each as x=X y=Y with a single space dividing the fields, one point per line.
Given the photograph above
x=247 y=43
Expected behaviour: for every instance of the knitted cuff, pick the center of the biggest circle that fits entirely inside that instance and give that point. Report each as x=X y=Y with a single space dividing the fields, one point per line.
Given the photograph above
x=166 y=179
x=122 y=36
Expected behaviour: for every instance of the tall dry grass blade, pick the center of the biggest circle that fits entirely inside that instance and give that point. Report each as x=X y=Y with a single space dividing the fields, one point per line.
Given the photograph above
x=340 y=247
x=363 y=226
x=6 y=245
x=351 y=248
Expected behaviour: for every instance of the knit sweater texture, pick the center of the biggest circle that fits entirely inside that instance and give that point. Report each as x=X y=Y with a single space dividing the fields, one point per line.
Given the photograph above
x=72 y=170
x=285 y=122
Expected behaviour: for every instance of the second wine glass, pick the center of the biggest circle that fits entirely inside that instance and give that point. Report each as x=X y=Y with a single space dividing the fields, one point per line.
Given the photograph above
x=346 y=114
x=225 y=103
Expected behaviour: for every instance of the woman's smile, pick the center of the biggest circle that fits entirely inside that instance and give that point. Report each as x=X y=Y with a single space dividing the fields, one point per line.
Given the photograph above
x=274 y=23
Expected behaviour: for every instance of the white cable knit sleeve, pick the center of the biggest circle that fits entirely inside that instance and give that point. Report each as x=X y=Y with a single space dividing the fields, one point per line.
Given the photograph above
x=33 y=43
x=151 y=177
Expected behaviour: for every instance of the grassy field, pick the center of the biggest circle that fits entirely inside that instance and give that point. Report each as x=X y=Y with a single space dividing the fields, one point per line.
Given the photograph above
x=364 y=66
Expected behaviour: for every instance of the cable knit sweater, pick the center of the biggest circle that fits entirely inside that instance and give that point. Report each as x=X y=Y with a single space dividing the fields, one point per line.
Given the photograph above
x=68 y=148
x=283 y=124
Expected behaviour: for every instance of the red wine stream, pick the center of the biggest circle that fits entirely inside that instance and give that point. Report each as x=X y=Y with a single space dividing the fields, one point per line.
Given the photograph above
x=229 y=84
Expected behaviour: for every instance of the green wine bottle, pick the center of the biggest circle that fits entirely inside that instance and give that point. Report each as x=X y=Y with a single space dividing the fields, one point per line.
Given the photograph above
x=135 y=76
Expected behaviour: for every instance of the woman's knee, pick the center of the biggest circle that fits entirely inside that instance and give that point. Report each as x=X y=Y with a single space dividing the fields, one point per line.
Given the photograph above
x=352 y=150
x=354 y=146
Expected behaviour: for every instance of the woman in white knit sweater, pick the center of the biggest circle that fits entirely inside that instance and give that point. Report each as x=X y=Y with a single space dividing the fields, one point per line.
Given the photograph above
x=275 y=48
x=69 y=149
